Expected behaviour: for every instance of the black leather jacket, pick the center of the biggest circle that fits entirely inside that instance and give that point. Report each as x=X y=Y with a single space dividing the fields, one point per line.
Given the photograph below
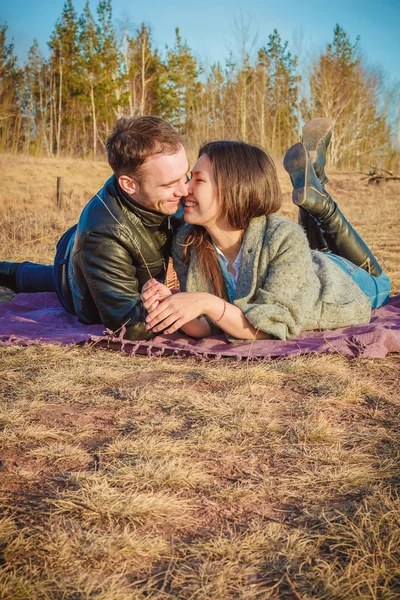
x=118 y=246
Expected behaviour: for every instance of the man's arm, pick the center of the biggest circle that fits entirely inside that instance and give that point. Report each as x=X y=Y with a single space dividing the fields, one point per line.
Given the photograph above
x=110 y=273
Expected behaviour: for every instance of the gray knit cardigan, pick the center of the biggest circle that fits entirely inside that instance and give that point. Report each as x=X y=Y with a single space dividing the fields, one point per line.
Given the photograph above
x=283 y=287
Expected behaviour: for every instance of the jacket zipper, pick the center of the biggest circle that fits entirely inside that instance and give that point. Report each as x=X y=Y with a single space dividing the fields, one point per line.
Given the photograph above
x=163 y=259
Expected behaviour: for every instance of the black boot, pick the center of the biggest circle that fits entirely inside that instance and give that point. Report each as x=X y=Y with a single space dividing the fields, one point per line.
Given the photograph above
x=313 y=231
x=8 y=275
x=316 y=137
x=311 y=196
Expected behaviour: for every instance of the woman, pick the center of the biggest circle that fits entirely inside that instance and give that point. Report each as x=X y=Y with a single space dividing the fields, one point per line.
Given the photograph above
x=250 y=273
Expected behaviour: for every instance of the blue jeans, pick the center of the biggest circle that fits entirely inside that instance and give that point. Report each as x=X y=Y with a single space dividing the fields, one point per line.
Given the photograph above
x=32 y=277
x=376 y=288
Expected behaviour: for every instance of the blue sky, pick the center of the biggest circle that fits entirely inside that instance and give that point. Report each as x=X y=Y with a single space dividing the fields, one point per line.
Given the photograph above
x=208 y=25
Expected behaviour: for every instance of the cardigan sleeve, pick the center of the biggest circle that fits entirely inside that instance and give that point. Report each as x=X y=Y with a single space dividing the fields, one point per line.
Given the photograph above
x=286 y=295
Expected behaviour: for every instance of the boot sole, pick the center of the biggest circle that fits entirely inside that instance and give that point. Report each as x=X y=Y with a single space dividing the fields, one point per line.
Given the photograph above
x=313 y=132
x=295 y=163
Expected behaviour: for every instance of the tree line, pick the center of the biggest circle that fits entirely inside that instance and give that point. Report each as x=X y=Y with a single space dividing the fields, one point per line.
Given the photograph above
x=67 y=104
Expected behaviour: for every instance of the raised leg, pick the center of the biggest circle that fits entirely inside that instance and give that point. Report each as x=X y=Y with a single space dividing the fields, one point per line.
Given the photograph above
x=316 y=137
x=313 y=231
x=311 y=196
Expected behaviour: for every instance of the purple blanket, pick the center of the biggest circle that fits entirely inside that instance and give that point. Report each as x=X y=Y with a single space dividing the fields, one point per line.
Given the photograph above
x=40 y=319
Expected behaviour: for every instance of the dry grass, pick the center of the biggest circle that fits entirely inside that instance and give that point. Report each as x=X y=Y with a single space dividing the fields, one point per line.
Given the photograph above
x=133 y=478
x=31 y=225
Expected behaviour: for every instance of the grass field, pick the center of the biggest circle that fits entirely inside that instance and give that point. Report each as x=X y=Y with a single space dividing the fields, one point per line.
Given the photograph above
x=134 y=478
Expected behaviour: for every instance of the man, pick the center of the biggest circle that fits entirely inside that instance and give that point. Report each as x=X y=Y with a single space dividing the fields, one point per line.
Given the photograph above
x=124 y=234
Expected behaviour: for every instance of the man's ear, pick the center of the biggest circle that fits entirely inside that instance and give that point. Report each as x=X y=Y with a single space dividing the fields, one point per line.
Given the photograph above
x=128 y=184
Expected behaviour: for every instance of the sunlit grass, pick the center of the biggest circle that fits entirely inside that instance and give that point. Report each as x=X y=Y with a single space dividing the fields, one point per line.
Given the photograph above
x=129 y=478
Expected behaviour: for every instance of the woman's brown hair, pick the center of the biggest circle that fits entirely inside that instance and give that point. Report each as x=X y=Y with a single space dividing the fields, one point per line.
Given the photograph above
x=247 y=187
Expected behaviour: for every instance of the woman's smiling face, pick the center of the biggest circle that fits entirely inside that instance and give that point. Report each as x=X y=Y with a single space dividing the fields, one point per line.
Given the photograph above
x=201 y=205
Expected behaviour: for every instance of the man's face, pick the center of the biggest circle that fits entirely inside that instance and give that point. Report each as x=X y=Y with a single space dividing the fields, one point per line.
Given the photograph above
x=162 y=182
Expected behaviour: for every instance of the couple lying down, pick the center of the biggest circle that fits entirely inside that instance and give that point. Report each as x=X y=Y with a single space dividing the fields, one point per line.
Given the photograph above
x=242 y=269
x=246 y=271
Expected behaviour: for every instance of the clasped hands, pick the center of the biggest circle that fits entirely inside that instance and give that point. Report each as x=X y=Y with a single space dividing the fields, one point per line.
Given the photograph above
x=170 y=311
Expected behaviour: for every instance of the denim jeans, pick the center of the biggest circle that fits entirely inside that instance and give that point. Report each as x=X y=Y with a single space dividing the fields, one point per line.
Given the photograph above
x=32 y=277
x=376 y=288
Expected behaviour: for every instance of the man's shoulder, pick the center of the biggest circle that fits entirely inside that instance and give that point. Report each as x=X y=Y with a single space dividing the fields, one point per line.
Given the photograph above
x=103 y=212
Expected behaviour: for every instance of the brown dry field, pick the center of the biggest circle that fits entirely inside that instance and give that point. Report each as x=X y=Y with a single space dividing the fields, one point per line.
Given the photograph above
x=134 y=478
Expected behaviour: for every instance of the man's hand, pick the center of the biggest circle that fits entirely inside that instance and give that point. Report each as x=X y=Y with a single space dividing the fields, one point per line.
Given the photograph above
x=154 y=292
x=173 y=312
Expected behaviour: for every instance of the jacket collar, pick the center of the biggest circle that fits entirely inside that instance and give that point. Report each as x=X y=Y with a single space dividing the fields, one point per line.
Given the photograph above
x=149 y=218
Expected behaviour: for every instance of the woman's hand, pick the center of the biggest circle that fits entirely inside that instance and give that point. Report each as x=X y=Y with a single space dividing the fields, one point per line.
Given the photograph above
x=154 y=292
x=174 y=311
x=182 y=310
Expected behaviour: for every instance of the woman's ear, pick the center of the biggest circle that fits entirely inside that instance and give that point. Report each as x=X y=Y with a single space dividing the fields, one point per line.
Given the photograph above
x=128 y=184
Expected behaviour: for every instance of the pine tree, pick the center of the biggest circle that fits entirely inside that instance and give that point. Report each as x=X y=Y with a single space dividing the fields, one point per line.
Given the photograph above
x=180 y=88
x=215 y=106
x=261 y=104
x=244 y=76
x=111 y=88
x=344 y=90
x=143 y=70
x=230 y=100
x=282 y=92
x=37 y=101
x=10 y=107
x=91 y=63
x=66 y=77
x=31 y=98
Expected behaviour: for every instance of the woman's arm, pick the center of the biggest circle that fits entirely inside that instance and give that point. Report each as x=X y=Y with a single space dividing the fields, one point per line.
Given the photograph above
x=197 y=328
x=182 y=311
x=231 y=319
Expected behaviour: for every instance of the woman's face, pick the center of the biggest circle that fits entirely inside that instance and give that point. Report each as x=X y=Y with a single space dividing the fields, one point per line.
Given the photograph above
x=201 y=203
